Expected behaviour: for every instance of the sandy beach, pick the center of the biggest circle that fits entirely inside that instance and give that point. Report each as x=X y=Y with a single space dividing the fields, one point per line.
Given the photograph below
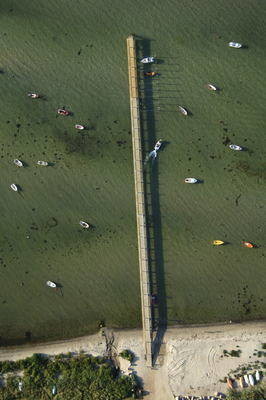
x=190 y=362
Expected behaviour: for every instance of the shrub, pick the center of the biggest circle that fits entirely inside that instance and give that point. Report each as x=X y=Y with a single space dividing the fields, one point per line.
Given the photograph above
x=127 y=355
x=253 y=393
x=75 y=378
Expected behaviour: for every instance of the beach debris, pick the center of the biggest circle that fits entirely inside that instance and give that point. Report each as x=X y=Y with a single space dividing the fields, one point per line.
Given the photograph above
x=246 y=380
x=147 y=60
x=235 y=147
x=248 y=244
x=77 y=126
x=257 y=376
x=51 y=284
x=217 y=242
x=241 y=381
x=190 y=180
x=18 y=163
x=34 y=95
x=235 y=45
x=183 y=110
x=230 y=383
x=84 y=224
x=14 y=187
x=251 y=380
x=43 y=163
x=62 y=111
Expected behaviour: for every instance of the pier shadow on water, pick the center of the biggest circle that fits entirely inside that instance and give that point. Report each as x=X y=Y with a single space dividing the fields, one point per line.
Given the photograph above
x=153 y=212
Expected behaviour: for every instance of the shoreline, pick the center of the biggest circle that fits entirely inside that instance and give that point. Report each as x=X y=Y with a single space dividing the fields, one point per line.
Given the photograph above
x=184 y=349
x=33 y=343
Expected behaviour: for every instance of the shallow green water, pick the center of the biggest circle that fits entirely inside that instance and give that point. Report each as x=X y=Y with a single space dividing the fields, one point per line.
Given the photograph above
x=76 y=56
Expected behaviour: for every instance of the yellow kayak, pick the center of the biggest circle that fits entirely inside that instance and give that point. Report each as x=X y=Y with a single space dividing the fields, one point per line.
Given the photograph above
x=217 y=242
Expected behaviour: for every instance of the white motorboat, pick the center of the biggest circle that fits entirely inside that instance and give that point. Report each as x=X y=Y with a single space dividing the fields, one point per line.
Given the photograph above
x=235 y=147
x=147 y=60
x=257 y=376
x=84 y=224
x=34 y=95
x=14 y=187
x=191 y=180
x=18 y=163
x=235 y=45
x=77 y=126
x=251 y=380
x=44 y=163
x=158 y=145
x=246 y=380
x=183 y=110
x=51 y=284
x=211 y=87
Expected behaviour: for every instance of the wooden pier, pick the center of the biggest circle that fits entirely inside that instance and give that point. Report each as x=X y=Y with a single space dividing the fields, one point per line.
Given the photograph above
x=145 y=289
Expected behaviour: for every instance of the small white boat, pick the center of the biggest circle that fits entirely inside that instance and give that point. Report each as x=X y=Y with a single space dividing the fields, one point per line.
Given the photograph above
x=235 y=45
x=211 y=87
x=44 y=163
x=183 y=110
x=246 y=380
x=84 y=224
x=257 y=376
x=251 y=380
x=54 y=391
x=18 y=163
x=191 y=180
x=235 y=147
x=34 y=95
x=14 y=187
x=147 y=60
x=158 y=145
x=77 y=126
x=20 y=384
x=51 y=284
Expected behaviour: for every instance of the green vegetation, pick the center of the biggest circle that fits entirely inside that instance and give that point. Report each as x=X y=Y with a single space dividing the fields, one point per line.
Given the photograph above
x=79 y=377
x=253 y=393
x=76 y=57
x=232 y=353
x=128 y=355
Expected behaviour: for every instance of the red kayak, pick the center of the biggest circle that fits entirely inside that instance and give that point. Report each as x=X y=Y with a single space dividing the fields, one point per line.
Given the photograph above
x=248 y=244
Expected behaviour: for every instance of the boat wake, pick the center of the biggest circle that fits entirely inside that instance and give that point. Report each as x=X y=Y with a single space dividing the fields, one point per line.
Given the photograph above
x=151 y=156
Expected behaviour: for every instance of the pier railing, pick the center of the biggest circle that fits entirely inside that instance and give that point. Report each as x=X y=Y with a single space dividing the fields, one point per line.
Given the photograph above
x=145 y=289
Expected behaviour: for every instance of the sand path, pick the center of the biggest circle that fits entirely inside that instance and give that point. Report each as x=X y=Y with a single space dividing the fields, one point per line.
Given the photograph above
x=190 y=359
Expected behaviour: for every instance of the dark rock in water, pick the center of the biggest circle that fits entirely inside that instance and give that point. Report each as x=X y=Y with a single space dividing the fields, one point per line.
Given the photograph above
x=51 y=223
x=28 y=335
x=226 y=140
